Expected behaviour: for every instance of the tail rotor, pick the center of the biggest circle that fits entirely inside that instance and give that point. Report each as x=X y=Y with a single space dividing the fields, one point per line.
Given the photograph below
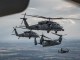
x=22 y=22
x=58 y=34
x=24 y=18
x=14 y=29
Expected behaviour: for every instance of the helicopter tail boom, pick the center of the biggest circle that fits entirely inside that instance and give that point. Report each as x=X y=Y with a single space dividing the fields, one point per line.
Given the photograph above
x=16 y=33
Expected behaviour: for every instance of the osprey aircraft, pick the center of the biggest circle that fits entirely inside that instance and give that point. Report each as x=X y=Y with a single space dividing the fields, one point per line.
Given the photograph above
x=49 y=41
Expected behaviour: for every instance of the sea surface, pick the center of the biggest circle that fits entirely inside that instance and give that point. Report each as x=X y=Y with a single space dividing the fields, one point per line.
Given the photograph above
x=28 y=51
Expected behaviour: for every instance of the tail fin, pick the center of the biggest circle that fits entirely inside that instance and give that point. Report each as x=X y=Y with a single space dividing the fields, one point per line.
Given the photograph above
x=25 y=22
x=15 y=31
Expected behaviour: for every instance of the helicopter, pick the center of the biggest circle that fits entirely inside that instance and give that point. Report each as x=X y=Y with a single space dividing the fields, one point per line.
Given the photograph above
x=26 y=34
x=43 y=25
x=50 y=25
x=49 y=42
x=63 y=50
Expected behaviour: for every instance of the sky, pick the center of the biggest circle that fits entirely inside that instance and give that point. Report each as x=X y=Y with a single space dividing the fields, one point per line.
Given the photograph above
x=47 y=8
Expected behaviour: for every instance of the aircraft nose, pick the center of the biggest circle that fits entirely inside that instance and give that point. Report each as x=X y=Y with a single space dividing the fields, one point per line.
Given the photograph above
x=62 y=29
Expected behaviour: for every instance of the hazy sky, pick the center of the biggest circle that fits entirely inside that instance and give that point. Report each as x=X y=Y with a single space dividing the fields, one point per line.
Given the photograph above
x=50 y=8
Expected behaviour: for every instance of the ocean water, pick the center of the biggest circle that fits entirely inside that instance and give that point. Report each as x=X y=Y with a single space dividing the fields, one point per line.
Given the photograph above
x=28 y=51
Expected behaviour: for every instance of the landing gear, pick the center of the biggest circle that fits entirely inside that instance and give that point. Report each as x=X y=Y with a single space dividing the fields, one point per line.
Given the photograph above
x=55 y=31
x=48 y=31
x=29 y=37
x=35 y=42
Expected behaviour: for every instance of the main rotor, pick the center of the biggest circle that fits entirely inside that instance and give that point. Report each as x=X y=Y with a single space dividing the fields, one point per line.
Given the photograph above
x=50 y=18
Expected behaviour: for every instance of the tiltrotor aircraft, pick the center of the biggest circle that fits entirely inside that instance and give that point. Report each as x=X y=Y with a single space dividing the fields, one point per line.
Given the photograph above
x=29 y=34
x=49 y=41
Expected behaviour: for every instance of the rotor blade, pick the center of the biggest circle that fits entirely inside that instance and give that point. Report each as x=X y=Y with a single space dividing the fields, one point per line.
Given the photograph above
x=46 y=37
x=42 y=17
x=72 y=18
x=55 y=34
x=58 y=34
x=65 y=18
x=18 y=37
x=23 y=18
x=13 y=28
x=12 y=31
x=64 y=38
x=51 y=18
x=37 y=16
x=24 y=14
x=23 y=28
x=21 y=22
x=64 y=35
x=20 y=27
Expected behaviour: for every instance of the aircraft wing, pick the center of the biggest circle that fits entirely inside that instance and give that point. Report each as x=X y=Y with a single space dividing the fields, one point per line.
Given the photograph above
x=8 y=7
x=51 y=40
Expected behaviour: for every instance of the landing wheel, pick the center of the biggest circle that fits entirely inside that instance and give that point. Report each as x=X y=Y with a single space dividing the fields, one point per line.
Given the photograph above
x=29 y=37
x=48 y=31
x=55 y=31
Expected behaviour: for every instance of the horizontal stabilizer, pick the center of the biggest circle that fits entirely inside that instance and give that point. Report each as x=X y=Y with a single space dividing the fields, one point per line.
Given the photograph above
x=13 y=34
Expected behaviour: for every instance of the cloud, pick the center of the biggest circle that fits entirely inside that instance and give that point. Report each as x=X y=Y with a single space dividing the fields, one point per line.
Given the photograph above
x=64 y=6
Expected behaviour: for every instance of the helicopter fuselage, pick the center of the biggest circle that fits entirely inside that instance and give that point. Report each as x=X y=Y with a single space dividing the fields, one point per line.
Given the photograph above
x=46 y=27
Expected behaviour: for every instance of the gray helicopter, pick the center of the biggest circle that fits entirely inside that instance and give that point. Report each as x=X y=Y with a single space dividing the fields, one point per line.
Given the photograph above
x=43 y=25
x=49 y=41
x=29 y=34
x=63 y=50
x=50 y=25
